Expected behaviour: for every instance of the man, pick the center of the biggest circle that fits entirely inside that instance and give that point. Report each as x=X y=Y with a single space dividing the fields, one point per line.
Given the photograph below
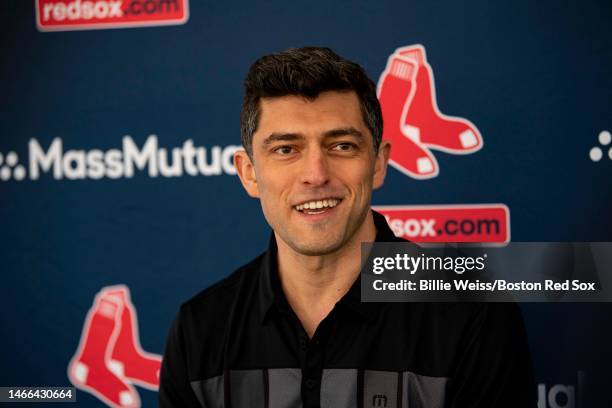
x=288 y=329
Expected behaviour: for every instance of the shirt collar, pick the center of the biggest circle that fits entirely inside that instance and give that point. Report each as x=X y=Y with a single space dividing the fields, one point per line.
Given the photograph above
x=270 y=290
x=271 y=295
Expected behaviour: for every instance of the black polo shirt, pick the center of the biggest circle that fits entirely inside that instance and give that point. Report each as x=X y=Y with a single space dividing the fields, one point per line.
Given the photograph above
x=239 y=344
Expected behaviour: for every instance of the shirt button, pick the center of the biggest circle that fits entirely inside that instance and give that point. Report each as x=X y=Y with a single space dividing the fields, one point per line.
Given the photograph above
x=310 y=383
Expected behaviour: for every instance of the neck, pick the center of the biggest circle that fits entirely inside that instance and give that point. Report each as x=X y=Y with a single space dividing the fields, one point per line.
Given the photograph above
x=314 y=284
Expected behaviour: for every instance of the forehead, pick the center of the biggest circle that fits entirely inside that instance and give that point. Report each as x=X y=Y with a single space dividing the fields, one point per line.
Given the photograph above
x=296 y=114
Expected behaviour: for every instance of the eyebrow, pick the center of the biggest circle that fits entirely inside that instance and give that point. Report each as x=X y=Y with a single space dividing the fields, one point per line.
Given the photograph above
x=287 y=137
x=281 y=137
x=346 y=131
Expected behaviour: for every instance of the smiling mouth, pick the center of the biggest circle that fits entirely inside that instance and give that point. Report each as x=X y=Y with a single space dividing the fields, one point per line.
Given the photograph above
x=317 y=206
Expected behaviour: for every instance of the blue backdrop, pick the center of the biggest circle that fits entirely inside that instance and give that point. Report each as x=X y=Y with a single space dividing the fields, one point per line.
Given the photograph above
x=535 y=77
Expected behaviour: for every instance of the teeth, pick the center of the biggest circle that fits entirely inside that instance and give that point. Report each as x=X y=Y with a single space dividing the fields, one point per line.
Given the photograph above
x=311 y=205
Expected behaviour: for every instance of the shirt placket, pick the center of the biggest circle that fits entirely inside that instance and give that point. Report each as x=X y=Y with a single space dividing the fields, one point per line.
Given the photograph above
x=312 y=360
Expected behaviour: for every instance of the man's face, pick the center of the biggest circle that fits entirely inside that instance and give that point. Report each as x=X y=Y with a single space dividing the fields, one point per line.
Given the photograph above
x=313 y=169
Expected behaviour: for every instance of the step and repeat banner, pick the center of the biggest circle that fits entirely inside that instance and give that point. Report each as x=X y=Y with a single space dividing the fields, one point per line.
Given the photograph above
x=119 y=200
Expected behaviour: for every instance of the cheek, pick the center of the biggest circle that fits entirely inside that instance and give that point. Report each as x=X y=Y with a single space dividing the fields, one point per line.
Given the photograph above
x=272 y=188
x=363 y=178
x=361 y=188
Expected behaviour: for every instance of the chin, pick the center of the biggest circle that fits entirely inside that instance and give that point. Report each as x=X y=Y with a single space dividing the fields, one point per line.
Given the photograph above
x=316 y=248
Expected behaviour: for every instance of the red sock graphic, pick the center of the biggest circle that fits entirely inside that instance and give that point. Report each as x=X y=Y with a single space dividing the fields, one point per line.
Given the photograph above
x=396 y=89
x=425 y=122
x=138 y=366
x=90 y=368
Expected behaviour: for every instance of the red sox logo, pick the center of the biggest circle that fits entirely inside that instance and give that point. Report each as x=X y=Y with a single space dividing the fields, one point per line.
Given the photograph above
x=415 y=126
x=412 y=121
x=109 y=358
x=62 y=15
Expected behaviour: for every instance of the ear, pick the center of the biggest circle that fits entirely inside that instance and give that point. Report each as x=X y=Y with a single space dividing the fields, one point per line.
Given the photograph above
x=246 y=171
x=380 y=164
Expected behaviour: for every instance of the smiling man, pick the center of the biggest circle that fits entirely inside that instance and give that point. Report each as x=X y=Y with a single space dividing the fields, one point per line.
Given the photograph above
x=288 y=329
x=313 y=164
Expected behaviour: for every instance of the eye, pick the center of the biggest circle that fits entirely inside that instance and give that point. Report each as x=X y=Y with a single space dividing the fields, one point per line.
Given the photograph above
x=284 y=150
x=344 y=147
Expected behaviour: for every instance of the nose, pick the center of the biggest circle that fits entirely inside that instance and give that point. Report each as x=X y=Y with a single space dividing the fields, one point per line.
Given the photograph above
x=315 y=169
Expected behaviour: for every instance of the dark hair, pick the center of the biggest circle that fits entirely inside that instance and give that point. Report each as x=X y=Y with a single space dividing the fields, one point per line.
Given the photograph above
x=307 y=72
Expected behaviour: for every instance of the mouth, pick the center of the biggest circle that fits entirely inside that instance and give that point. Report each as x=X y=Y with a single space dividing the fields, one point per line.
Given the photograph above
x=315 y=207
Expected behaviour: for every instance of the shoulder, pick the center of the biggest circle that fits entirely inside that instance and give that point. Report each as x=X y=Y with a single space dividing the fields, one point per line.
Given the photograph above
x=199 y=332
x=477 y=314
x=221 y=296
x=454 y=323
x=493 y=326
